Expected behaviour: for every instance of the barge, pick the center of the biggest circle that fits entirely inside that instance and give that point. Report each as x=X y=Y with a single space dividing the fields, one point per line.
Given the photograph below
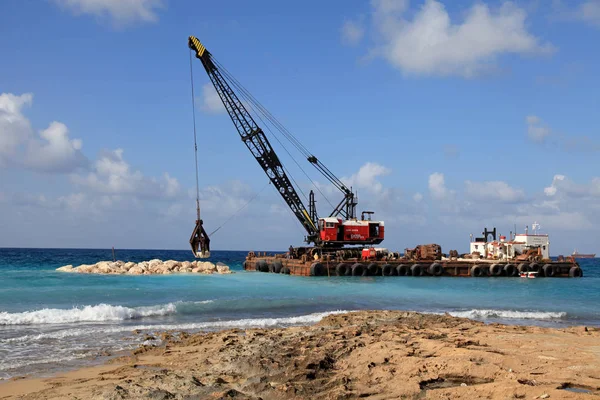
x=523 y=255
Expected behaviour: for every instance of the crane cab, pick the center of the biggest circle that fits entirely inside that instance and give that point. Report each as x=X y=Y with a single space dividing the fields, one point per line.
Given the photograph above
x=364 y=231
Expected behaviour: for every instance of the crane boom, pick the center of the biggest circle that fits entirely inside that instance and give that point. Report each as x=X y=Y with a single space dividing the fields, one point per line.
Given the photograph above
x=255 y=139
x=341 y=227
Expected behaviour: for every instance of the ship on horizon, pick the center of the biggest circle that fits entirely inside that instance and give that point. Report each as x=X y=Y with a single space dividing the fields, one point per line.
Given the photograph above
x=576 y=254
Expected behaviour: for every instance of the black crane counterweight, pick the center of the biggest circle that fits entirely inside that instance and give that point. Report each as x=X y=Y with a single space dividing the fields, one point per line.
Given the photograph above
x=341 y=227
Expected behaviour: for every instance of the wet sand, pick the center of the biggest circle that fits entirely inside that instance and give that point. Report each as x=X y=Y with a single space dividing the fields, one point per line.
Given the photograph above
x=367 y=354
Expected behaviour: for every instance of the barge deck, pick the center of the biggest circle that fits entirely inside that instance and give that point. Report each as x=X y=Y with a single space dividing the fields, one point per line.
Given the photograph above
x=331 y=266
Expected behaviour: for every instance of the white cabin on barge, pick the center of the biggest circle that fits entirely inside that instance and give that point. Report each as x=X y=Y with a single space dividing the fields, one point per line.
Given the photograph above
x=503 y=249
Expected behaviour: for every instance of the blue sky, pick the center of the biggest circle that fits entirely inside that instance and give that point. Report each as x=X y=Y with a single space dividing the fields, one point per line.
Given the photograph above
x=445 y=116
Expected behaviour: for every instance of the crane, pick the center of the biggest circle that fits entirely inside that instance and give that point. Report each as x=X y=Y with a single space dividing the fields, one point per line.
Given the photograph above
x=341 y=227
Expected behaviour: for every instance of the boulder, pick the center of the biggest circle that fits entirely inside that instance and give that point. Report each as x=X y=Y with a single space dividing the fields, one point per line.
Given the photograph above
x=206 y=266
x=136 y=270
x=172 y=265
x=149 y=267
x=129 y=265
x=103 y=267
x=223 y=269
x=86 y=269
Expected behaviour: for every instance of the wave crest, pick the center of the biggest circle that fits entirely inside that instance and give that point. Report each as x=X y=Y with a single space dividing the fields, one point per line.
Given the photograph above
x=97 y=313
x=508 y=314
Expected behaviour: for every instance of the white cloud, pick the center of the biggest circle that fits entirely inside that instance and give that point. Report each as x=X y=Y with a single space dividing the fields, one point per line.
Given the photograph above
x=352 y=32
x=418 y=197
x=111 y=174
x=390 y=6
x=51 y=151
x=551 y=190
x=536 y=131
x=14 y=127
x=437 y=186
x=497 y=191
x=366 y=177
x=211 y=102
x=121 y=12
x=432 y=44
x=57 y=152
x=225 y=199
x=539 y=132
x=565 y=188
x=589 y=12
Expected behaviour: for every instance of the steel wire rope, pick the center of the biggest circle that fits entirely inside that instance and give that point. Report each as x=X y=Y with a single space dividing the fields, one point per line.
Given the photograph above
x=252 y=101
x=241 y=208
x=195 y=139
x=267 y=113
x=286 y=132
x=291 y=138
x=318 y=165
x=284 y=148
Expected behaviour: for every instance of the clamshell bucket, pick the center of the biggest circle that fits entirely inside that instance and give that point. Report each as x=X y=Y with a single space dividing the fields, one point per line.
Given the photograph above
x=200 y=241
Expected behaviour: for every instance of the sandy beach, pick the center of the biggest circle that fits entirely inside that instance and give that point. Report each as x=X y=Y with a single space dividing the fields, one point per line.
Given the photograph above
x=367 y=354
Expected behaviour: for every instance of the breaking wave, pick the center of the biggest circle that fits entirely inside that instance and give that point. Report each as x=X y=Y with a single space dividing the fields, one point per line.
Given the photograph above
x=508 y=314
x=97 y=313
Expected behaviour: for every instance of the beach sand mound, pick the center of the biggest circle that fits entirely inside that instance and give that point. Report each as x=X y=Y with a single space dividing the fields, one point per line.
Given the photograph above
x=367 y=354
x=152 y=267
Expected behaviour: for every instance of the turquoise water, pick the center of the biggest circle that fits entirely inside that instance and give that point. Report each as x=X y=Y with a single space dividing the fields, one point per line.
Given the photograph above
x=51 y=320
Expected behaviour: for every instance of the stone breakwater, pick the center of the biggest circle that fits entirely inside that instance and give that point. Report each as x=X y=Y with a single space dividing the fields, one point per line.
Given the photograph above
x=152 y=267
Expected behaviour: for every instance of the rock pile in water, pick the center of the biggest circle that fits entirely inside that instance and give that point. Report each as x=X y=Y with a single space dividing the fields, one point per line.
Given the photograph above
x=152 y=267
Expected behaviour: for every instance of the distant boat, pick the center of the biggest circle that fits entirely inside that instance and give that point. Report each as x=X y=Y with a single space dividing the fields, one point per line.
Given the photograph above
x=576 y=254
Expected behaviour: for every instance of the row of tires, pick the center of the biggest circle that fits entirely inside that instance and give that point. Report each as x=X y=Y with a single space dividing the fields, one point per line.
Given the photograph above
x=435 y=269
x=542 y=270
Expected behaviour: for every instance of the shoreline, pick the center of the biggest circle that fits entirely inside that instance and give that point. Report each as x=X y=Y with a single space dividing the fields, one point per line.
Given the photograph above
x=378 y=354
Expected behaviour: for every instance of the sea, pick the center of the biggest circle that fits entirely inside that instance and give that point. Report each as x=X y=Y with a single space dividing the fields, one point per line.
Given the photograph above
x=54 y=321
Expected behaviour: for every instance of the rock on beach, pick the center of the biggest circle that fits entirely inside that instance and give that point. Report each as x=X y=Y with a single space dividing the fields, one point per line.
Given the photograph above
x=152 y=267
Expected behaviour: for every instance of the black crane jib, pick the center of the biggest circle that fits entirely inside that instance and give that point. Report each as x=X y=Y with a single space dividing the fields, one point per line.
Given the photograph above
x=255 y=139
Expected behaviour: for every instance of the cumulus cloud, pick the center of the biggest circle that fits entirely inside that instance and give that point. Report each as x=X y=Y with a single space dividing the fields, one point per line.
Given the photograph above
x=56 y=152
x=111 y=174
x=352 y=32
x=563 y=206
x=14 y=127
x=121 y=12
x=566 y=188
x=367 y=177
x=211 y=102
x=431 y=43
x=493 y=191
x=51 y=151
x=437 y=186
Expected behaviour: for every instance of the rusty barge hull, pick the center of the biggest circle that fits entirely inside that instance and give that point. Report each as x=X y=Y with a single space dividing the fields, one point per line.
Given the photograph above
x=277 y=263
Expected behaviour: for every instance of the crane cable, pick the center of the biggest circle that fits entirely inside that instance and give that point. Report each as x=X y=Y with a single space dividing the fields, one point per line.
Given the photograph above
x=240 y=209
x=196 y=159
x=195 y=140
x=260 y=109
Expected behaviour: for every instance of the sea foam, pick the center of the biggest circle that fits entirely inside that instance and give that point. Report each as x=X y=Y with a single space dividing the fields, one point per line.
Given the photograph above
x=96 y=313
x=508 y=314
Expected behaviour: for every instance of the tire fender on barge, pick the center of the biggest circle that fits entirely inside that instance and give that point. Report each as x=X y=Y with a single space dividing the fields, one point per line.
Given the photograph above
x=388 y=270
x=436 y=269
x=417 y=270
